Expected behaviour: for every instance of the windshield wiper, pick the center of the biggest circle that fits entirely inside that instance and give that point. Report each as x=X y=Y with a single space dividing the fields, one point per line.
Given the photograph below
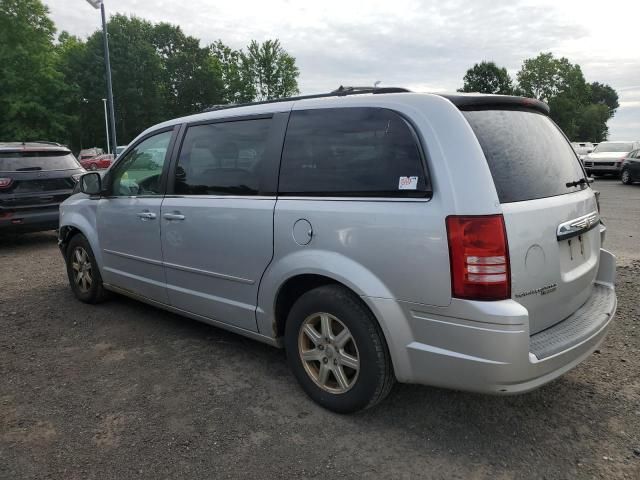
x=582 y=181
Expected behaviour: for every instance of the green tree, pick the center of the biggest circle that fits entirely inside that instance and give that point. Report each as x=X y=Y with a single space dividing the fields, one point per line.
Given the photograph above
x=559 y=83
x=32 y=91
x=137 y=81
x=545 y=77
x=603 y=94
x=70 y=53
x=272 y=70
x=592 y=123
x=192 y=76
x=236 y=79
x=262 y=72
x=487 y=77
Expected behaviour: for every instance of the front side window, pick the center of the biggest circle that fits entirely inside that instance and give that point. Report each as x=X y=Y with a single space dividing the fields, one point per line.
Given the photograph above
x=223 y=158
x=140 y=171
x=351 y=152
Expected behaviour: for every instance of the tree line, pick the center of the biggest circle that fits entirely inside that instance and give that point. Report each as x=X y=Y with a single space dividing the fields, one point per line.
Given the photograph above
x=52 y=87
x=580 y=109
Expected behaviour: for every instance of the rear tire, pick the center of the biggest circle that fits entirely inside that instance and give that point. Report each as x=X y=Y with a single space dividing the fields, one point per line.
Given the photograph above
x=625 y=177
x=336 y=350
x=83 y=272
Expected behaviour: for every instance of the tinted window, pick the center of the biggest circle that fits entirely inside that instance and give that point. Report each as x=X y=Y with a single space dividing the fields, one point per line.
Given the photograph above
x=139 y=172
x=351 y=151
x=527 y=153
x=222 y=158
x=34 y=160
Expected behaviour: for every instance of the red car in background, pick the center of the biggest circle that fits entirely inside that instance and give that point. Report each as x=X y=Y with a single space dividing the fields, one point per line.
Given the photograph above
x=99 y=162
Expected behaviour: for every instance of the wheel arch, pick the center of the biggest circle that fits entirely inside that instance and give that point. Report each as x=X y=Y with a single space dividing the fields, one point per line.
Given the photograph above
x=279 y=291
x=74 y=223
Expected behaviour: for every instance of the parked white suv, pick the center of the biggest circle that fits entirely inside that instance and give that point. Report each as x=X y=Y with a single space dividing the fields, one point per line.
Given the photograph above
x=607 y=157
x=582 y=148
x=377 y=235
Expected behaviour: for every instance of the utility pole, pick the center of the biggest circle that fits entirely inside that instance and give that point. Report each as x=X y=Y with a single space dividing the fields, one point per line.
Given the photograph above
x=106 y=124
x=107 y=65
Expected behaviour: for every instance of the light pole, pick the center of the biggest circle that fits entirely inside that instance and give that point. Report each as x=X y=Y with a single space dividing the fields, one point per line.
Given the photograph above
x=107 y=65
x=106 y=124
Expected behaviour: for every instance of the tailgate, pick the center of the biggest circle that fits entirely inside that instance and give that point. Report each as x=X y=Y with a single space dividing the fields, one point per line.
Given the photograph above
x=550 y=212
x=554 y=247
x=29 y=190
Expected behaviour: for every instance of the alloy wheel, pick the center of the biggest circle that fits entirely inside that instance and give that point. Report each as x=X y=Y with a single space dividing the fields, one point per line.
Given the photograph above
x=328 y=352
x=626 y=176
x=81 y=266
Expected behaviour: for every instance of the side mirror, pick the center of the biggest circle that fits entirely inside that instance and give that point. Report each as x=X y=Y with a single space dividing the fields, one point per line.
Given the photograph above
x=91 y=183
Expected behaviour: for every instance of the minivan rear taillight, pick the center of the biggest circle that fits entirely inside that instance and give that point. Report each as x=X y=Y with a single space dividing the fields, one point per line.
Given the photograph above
x=5 y=182
x=479 y=257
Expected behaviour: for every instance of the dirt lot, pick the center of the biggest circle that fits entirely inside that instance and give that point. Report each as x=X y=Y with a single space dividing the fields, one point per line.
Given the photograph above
x=123 y=390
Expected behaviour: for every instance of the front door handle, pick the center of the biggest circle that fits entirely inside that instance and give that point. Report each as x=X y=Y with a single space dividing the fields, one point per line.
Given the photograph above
x=146 y=215
x=173 y=216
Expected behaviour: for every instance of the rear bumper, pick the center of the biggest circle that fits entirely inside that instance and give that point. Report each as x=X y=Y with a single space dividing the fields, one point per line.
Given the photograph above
x=489 y=349
x=29 y=221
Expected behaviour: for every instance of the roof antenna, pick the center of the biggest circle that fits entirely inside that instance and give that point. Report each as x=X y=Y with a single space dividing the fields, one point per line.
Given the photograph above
x=376 y=83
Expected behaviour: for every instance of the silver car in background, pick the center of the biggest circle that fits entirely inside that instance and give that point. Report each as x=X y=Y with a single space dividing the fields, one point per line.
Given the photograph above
x=377 y=235
x=607 y=157
x=582 y=148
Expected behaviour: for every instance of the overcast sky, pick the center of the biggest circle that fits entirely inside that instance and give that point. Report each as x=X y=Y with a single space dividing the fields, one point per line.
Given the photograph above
x=422 y=45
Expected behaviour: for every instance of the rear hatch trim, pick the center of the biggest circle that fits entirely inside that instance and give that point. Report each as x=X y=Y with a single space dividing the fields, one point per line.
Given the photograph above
x=578 y=226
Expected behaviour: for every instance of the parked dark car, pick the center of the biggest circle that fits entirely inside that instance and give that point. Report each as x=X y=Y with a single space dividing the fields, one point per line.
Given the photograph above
x=631 y=168
x=35 y=177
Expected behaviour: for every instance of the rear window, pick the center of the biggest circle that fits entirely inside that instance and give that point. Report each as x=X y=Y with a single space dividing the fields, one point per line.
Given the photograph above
x=528 y=155
x=34 y=160
x=351 y=152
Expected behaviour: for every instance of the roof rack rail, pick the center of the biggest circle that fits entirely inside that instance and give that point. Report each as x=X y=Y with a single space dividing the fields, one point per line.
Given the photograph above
x=341 y=91
x=55 y=144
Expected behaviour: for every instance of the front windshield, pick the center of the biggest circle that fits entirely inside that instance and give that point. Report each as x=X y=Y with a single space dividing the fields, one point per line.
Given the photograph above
x=613 y=147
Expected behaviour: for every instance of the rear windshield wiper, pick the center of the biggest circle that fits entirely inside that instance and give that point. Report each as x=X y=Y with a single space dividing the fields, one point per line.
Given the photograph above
x=582 y=181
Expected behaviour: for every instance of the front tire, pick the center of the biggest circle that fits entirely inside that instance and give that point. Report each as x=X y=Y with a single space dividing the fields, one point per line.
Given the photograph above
x=82 y=271
x=336 y=350
x=625 y=177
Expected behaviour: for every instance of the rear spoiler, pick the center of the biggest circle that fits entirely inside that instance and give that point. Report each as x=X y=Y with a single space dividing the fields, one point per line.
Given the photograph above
x=497 y=102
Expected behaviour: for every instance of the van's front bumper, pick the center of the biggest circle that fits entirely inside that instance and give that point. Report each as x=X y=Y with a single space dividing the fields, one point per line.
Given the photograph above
x=486 y=346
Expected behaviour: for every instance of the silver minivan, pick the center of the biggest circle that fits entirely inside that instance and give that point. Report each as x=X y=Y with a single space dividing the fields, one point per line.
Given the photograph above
x=376 y=235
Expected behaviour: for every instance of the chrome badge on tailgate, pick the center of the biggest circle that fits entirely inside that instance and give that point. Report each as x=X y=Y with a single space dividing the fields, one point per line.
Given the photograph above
x=577 y=226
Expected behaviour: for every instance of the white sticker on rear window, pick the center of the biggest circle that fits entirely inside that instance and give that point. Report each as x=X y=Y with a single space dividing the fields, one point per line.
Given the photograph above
x=408 y=183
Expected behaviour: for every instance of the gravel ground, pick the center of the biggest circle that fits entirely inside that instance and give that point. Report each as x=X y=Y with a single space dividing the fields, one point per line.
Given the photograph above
x=123 y=390
x=620 y=206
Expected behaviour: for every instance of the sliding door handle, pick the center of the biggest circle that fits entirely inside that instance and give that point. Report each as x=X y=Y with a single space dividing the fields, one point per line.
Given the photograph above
x=146 y=215
x=173 y=216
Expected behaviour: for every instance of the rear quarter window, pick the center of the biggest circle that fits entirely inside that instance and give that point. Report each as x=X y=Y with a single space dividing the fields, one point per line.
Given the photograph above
x=351 y=152
x=528 y=155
